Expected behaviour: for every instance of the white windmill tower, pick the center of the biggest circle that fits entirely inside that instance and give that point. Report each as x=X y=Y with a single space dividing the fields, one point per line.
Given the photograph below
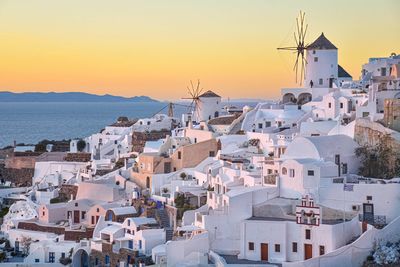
x=317 y=62
x=322 y=63
x=204 y=106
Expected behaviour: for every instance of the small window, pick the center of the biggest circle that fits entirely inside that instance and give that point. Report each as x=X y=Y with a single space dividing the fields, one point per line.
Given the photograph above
x=308 y=234
x=148 y=123
x=52 y=257
x=321 y=250
x=369 y=197
x=212 y=154
x=277 y=248
x=97 y=210
x=76 y=204
x=341 y=105
x=179 y=154
x=313 y=52
x=37 y=260
x=321 y=81
x=251 y=246
x=83 y=214
x=195 y=140
x=310 y=172
x=43 y=213
x=344 y=168
x=291 y=173
x=267 y=124
x=284 y=171
x=294 y=247
x=62 y=254
x=260 y=126
x=107 y=259
x=315 y=59
x=329 y=105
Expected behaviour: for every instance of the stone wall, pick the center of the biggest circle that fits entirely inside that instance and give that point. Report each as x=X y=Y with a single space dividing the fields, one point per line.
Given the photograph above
x=69 y=235
x=115 y=258
x=370 y=133
x=77 y=235
x=67 y=190
x=78 y=157
x=139 y=139
x=23 y=162
x=392 y=114
x=19 y=177
x=33 y=226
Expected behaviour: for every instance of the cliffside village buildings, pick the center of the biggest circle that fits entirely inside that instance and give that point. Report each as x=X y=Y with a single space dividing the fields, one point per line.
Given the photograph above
x=277 y=183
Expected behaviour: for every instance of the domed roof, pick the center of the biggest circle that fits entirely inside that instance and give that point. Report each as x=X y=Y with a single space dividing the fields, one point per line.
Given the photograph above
x=322 y=43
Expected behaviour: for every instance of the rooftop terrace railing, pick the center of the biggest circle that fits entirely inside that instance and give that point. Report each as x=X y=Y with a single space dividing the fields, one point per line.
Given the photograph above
x=376 y=220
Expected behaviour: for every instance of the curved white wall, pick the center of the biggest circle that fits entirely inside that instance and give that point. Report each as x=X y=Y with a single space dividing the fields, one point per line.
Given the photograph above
x=326 y=67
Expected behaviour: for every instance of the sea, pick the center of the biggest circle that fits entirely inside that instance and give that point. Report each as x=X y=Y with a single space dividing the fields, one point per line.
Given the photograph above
x=31 y=122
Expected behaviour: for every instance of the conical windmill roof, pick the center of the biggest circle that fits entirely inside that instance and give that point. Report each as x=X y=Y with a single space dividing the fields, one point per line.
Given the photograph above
x=209 y=93
x=322 y=43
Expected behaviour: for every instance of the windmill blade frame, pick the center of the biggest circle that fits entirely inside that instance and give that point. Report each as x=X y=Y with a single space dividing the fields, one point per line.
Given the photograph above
x=300 y=48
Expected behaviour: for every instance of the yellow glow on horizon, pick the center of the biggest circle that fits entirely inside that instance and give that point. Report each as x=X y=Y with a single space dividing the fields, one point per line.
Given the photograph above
x=155 y=47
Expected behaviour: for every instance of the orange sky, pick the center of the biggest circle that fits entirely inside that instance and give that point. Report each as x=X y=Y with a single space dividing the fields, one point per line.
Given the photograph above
x=155 y=48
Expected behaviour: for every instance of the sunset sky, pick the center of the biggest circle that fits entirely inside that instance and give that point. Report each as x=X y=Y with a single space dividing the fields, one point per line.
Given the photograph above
x=155 y=47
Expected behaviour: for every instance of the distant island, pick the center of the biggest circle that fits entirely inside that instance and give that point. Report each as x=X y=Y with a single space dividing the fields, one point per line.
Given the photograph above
x=68 y=97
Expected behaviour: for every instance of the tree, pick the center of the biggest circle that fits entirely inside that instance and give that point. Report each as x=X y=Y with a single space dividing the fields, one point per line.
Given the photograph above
x=165 y=190
x=26 y=244
x=40 y=147
x=183 y=176
x=81 y=145
x=180 y=200
x=379 y=161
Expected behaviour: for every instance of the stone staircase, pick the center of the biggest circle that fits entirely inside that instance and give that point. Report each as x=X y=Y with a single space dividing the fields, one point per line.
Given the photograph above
x=164 y=221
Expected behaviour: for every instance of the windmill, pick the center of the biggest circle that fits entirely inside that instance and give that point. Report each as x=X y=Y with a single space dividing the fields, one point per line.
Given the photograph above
x=300 y=46
x=194 y=92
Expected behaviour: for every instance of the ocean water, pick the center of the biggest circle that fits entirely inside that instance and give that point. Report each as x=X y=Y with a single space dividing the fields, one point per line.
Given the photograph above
x=31 y=122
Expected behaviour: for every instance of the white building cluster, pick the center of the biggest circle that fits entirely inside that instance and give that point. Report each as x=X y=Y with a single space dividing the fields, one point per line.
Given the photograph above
x=277 y=183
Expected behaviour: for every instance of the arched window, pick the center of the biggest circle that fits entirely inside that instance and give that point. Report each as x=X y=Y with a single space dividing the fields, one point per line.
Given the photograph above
x=284 y=171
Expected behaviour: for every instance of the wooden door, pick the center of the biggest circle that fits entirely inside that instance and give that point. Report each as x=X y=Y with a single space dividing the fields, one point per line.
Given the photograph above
x=76 y=216
x=264 y=252
x=307 y=251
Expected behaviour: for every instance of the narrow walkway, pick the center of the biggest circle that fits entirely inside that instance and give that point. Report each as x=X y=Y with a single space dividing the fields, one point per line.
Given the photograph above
x=230 y=259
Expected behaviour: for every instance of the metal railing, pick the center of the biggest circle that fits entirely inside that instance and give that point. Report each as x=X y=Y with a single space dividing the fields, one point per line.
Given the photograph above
x=376 y=220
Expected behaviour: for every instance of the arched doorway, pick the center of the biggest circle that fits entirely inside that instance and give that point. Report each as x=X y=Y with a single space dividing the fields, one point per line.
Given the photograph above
x=288 y=98
x=80 y=258
x=304 y=98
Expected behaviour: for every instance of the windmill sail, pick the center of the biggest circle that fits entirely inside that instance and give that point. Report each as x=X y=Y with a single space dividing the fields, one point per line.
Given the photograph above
x=299 y=48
